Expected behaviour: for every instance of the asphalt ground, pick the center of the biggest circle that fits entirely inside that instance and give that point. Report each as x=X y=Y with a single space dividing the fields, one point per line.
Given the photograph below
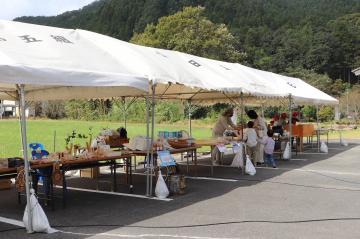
x=312 y=196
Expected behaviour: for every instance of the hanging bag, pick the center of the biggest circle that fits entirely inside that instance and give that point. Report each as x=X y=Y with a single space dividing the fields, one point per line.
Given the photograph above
x=287 y=151
x=40 y=222
x=161 y=190
x=238 y=159
x=343 y=142
x=324 y=148
x=249 y=168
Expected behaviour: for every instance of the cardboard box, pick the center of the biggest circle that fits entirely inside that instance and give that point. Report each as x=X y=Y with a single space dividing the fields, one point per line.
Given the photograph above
x=4 y=163
x=5 y=184
x=90 y=172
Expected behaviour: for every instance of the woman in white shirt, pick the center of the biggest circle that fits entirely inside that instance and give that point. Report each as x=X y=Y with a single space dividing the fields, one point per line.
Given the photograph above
x=260 y=126
x=223 y=123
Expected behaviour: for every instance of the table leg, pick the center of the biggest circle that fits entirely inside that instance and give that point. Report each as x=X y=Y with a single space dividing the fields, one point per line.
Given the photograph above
x=52 y=195
x=64 y=189
x=318 y=139
x=130 y=175
x=114 y=182
x=187 y=165
x=195 y=159
x=327 y=137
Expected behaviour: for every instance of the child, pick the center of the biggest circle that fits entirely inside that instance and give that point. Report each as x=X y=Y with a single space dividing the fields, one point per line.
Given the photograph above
x=250 y=138
x=269 y=145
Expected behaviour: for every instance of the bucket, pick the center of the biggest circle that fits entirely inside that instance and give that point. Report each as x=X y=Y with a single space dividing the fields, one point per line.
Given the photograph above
x=177 y=184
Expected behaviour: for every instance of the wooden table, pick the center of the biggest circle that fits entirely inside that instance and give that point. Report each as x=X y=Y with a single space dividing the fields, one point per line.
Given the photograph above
x=213 y=143
x=98 y=161
x=300 y=131
x=192 y=150
x=75 y=164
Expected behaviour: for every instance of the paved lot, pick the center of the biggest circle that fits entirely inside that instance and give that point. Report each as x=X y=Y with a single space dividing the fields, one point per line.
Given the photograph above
x=312 y=196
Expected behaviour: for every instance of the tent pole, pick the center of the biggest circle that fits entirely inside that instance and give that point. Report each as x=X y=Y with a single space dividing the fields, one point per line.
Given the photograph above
x=190 y=126
x=290 y=126
x=54 y=143
x=147 y=145
x=24 y=149
x=124 y=110
x=242 y=114
x=318 y=128
x=242 y=130
x=1 y=109
x=152 y=135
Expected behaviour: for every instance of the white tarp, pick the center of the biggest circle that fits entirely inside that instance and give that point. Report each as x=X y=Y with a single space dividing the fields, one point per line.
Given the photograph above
x=186 y=74
x=304 y=93
x=57 y=63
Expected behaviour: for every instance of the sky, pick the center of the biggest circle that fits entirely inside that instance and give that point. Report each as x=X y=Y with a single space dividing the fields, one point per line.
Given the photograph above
x=10 y=9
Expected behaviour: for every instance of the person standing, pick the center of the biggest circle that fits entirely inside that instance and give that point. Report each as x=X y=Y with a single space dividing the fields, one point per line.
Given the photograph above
x=223 y=123
x=269 y=145
x=250 y=139
x=261 y=128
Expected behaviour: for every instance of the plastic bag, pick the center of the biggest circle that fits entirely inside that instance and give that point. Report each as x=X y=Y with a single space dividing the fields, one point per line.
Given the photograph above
x=238 y=159
x=249 y=168
x=161 y=190
x=343 y=142
x=324 y=147
x=40 y=222
x=287 y=151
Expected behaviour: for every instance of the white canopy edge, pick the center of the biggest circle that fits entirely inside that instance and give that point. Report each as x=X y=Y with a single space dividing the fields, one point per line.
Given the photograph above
x=57 y=63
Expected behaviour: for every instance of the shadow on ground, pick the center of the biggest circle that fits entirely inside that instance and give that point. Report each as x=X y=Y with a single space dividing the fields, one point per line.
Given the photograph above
x=98 y=213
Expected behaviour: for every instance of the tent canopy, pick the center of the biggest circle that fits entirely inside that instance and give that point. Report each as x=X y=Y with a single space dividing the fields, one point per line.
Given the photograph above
x=57 y=63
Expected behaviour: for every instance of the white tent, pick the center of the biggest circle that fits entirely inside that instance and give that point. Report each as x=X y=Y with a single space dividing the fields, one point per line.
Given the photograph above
x=53 y=63
x=57 y=63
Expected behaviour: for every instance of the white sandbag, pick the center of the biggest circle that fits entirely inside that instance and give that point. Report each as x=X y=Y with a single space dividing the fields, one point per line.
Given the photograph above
x=324 y=147
x=40 y=222
x=238 y=159
x=287 y=151
x=343 y=142
x=161 y=190
x=72 y=173
x=249 y=168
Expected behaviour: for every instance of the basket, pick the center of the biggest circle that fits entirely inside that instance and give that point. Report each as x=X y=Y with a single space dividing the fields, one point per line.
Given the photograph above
x=116 y=141
x=180 y=143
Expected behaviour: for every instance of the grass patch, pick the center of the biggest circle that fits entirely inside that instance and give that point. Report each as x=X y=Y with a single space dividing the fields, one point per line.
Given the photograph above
x=42 y=131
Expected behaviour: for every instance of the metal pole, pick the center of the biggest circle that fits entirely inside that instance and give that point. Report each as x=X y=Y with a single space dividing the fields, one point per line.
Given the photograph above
x=318 y=128
x=290 y=126
x=147 y=146
x=124 y=110
x=190 y=126
x=242 y=130
x=1 y=109
x=242 y=114
x=24 y=149
x=152 y=134
x=54 y=141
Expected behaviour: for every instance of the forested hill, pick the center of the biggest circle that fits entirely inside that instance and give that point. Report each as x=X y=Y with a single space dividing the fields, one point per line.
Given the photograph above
x=276 y=35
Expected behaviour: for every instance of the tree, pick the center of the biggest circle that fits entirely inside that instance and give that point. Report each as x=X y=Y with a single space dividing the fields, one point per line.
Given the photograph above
x=309 y=112
x=326 y=113
x=191 y=32
x=351 y=99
